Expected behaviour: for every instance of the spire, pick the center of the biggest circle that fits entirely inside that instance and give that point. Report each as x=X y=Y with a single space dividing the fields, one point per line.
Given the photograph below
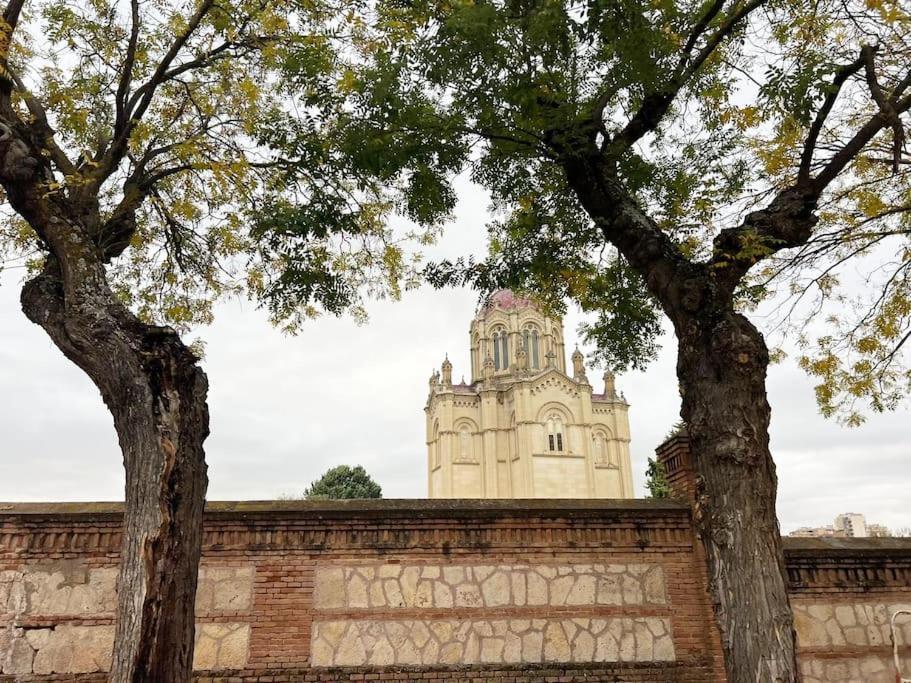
x=579 y=366
x=447 y=372
x=610 y=389
x=521 y=359
x=488 y=368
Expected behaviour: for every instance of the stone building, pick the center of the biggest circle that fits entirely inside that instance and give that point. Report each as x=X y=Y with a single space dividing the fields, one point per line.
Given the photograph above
x=524 y=427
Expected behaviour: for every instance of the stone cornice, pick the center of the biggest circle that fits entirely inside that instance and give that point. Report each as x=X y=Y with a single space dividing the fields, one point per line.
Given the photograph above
x=847 y=564
x=431 y=525
x=379 y=508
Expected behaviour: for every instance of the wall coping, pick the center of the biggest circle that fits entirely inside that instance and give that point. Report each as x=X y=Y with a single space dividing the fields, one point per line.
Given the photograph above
x=796 y=547
x=391 y=508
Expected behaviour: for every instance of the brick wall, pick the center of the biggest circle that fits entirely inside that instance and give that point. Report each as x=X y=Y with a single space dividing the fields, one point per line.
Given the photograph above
x=843 y=593
x=466 y=590
x=512 y=591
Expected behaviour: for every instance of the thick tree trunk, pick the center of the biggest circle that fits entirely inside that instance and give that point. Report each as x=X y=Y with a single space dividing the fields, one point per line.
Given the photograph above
x=156 y=393
x=721 y=366
x=722 y=369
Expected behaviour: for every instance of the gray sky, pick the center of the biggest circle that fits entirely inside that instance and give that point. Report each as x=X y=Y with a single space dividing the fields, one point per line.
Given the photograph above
x=284 y=409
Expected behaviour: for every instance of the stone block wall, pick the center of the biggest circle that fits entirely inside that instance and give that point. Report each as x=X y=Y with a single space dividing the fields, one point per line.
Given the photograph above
x=478 y=590
x=844 y=593
x=512 y=591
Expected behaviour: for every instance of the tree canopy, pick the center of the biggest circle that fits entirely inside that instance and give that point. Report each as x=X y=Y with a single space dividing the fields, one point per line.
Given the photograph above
x=207 y=135
x=344 y=482
x=710 y=111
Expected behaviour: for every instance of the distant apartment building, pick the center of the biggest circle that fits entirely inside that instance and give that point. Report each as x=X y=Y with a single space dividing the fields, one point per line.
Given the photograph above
x=847 y=525
x=853 y=524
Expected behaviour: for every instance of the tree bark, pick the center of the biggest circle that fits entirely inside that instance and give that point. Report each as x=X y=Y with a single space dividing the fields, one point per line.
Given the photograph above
x=148 y=378
x=156 y=393
x=721 y=367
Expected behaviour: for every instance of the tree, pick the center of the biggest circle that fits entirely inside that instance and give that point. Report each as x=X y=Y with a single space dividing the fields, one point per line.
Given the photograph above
x=344 y=482
x=688 y=145
x=138 y=141
x=656 y=479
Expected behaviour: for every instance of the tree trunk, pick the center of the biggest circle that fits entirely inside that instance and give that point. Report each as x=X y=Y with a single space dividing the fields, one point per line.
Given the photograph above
x=721 y=366
x=722 y=370
x=156 y=393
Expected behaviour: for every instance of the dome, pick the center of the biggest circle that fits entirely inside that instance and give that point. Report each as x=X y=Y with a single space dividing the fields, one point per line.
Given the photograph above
x=507 y=300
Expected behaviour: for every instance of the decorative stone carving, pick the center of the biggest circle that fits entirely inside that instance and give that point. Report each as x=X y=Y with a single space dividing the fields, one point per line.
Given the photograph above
x=433 y=587
x=490 y=641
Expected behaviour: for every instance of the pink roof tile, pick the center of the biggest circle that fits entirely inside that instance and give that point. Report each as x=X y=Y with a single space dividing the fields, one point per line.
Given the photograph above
x=507 y=299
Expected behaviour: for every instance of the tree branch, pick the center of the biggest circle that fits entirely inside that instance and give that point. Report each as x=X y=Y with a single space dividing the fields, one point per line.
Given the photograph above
x=10 y=20
x=42 y=129
x=656 y=104
x=841 y=76
x=676 y=282
x=789 y=219
x=698 y=29
x=126 y=74
x=885 y=104
x=852 y=148
x=142 y=98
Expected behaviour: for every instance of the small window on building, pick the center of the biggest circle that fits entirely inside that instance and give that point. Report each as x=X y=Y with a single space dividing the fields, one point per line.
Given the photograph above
x=500 y=350
x=601 y=450
x=530 y=339
x=555 y=433
x=464 y=443
x=435 y=448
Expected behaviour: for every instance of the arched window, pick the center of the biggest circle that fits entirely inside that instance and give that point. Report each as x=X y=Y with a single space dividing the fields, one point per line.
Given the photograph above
x=531 y=347
x=599 y=448
x=435 y=454
x=500 y=350
x=555 y=433
x=464 y=443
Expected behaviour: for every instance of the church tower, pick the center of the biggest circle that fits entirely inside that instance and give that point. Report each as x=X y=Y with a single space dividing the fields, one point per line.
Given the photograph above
x=523 y=427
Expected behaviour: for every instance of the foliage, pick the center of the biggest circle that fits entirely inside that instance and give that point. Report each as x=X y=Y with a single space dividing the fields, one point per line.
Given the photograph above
x=210 y=177
x=706 y=113
x=656 y=480
x=678 y=429
x=344 y=482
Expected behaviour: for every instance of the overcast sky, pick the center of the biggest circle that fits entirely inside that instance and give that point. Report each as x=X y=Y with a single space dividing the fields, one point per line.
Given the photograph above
x=284 y=409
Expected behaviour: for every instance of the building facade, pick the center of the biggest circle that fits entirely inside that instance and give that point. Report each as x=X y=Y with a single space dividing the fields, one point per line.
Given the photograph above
x=847 y=525
x=523 y=427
